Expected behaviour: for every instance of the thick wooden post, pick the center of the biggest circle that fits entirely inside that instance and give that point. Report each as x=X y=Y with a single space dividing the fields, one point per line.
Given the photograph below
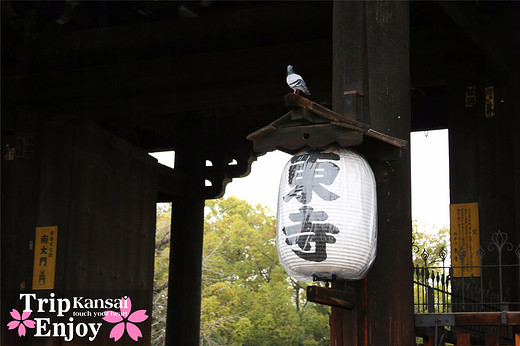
x=492 y=340
x=463 y=339
x=371 y=75
x=184 y=283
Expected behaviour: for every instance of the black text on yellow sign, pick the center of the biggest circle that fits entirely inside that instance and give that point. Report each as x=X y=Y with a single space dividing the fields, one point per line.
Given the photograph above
x=45 y=246
x=465 y=239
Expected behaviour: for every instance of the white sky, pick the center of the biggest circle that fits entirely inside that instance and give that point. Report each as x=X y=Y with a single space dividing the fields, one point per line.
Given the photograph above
x=430 y=178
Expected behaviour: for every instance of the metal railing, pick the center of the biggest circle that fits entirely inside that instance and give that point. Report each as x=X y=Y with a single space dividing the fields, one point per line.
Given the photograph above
x=438 y=290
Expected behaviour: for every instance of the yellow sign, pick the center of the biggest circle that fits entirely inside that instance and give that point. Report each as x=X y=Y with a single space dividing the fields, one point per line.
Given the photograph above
x=490 y=102
x=44 y=268
x=465 y=239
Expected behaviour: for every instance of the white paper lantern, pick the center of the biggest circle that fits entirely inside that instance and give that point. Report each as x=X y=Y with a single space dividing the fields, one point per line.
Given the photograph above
x=327 y=215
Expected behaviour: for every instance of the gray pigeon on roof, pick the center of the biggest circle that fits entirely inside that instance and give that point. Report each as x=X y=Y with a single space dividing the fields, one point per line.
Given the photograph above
x=296 y=82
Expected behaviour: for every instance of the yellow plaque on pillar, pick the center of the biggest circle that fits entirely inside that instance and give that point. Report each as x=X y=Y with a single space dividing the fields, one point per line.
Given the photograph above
x=465 y=239
x=45 y=245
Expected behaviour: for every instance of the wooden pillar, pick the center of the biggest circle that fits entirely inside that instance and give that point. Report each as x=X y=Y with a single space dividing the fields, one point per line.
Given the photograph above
x=463 y=339
x=429 y=341
x=492 y=340
x=184 y=283
x=371 y=56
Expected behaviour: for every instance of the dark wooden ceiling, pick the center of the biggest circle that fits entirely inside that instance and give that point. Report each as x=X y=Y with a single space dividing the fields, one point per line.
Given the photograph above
x=144 y=69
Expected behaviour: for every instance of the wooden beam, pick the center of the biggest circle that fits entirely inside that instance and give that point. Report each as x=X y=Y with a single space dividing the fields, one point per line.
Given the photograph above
x=330 y=296
x=172 y=85
x=278 y=23
x=509 y=318
x=487 y=318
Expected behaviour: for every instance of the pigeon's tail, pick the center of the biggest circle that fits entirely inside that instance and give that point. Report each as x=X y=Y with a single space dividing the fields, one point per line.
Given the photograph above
x=305 y=89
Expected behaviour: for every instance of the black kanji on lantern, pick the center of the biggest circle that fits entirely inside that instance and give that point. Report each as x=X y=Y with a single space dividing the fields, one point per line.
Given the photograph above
x=307 y=174
x=308 y=232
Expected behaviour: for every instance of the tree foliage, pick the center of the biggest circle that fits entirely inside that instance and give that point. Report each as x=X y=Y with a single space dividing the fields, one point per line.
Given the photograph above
x=429 y=246
x=162 y=260
x=247 y=298
x=431 y=252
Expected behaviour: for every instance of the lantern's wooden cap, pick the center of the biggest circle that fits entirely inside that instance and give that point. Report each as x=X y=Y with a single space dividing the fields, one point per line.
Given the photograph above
x=309 y=124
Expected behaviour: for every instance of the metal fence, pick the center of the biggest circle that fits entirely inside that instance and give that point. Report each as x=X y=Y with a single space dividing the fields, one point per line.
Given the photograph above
x=438 y=290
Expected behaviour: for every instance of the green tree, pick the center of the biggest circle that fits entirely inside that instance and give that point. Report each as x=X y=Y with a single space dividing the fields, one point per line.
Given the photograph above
x=430 y=252
x=429 y=246
x=160 y=284
x=247 y=298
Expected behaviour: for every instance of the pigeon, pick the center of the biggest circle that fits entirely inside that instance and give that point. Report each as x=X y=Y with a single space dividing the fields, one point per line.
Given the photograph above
x=296 y=82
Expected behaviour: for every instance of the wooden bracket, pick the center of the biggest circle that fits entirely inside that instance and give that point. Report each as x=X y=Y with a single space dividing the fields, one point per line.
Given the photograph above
x=330 y=296
x=309 y=124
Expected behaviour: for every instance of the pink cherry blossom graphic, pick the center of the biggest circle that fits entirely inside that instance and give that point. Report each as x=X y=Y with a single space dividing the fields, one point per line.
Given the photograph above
x=20 y=322
x=119 y=318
